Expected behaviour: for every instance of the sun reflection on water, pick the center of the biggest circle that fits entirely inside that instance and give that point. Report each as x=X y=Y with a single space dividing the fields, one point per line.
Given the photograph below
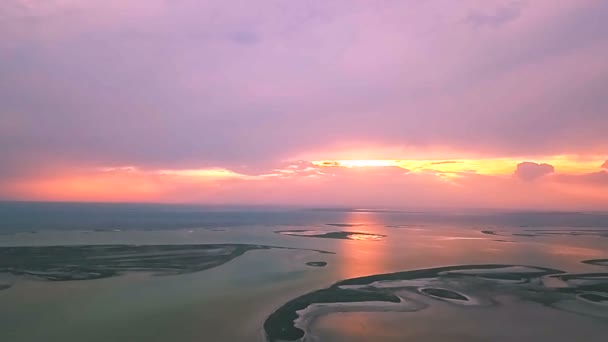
x=363 y=254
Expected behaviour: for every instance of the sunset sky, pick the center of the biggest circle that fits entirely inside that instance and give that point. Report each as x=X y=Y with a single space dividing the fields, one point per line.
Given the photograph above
x=379 y=103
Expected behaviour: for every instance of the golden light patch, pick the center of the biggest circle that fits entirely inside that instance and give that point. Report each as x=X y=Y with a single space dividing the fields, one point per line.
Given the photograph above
x=487 y=166
x=205 y=173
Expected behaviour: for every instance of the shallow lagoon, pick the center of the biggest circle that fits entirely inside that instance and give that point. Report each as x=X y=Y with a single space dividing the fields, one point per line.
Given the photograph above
x=228 y=293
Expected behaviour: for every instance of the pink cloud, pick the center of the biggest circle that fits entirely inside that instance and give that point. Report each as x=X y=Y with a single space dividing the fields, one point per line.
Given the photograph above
x=605 y=165
x=529 y=171
x=593 y=179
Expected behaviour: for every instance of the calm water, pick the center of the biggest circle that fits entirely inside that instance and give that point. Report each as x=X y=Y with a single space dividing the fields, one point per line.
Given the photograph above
x=187 y=273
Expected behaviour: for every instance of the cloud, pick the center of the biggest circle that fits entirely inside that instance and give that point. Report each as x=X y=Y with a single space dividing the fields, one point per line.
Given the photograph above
x=445 y=162
x=498 y=17
x=600 y=177
x=171 y=89
x=592 y=179
x=207 y=85
x=304 y=184
x=529 y=171
x=245 y=37
x=605 y=165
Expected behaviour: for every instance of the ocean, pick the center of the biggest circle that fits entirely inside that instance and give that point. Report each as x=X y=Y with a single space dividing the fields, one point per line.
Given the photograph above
x=151 y=272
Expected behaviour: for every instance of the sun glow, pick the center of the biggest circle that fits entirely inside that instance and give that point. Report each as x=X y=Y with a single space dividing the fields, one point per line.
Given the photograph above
x=488 y=166
x=205 y=173
x=357 y=163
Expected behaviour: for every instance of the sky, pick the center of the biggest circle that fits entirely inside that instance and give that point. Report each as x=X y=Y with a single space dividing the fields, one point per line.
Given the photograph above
x=383 y=103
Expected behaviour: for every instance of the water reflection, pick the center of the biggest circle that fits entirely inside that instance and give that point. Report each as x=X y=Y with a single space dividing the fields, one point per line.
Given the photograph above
x=368 y=254
x=365 y=237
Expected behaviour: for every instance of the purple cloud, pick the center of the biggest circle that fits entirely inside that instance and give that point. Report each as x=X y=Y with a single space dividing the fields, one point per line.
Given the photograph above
x=529 y=171
x=498 y=17
x=194 y=84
